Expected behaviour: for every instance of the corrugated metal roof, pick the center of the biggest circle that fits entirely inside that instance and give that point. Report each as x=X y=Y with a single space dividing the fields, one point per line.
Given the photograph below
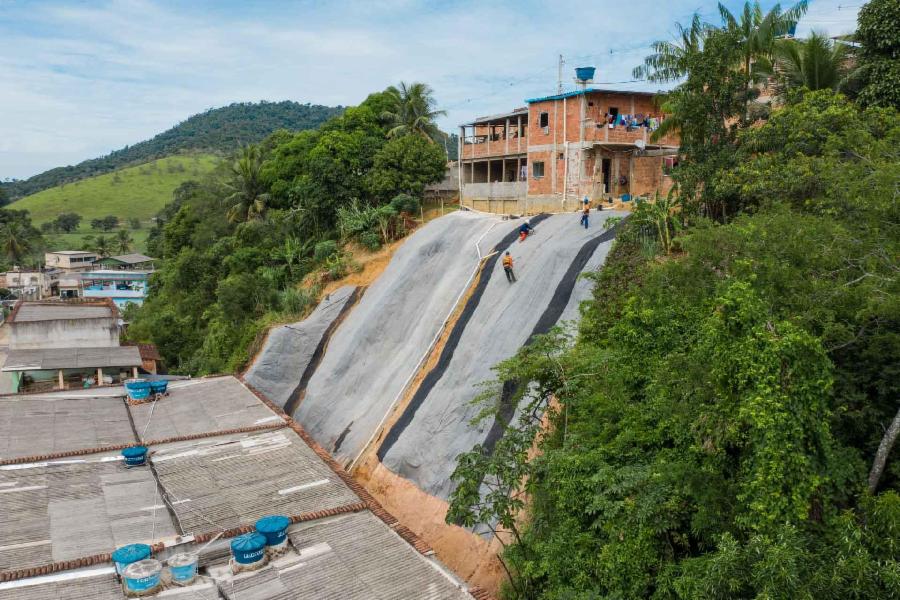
x=588 y=91
x=60 y=311
x=68 y=509
x=32 y=426
x=201 y=406
x=77 y=507
x=234 y=480
x=131 y=258
x=347 y=557
x=96 y=587
x=72 y=358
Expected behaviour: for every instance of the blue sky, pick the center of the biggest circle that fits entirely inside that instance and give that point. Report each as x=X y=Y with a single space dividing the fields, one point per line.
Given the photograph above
x=82 y=78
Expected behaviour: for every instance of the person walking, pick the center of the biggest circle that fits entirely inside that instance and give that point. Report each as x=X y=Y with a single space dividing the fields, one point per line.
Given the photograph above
x=585 y=214
x=508 y=267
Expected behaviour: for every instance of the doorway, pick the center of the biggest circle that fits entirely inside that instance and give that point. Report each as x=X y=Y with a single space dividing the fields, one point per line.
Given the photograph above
x=606 y=168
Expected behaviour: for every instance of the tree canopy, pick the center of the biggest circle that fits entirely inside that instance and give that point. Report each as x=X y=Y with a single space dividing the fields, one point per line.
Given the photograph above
x=253 y=242
x=720 y=423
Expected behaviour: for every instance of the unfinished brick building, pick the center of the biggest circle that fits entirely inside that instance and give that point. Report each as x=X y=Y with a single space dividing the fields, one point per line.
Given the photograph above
x=557 y=150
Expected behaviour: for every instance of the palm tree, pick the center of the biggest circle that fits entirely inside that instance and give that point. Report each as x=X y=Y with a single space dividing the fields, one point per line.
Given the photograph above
x=758 y=34
x=123 y=241
x=816 y=63
x=248 y=197
x=413 y=111
x=102 y=246
x=15 y=241
x=669 y=60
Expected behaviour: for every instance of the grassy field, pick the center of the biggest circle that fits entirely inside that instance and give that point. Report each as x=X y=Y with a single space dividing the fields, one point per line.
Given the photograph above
x=74 y=241
x=139 y=191
x=133 y=192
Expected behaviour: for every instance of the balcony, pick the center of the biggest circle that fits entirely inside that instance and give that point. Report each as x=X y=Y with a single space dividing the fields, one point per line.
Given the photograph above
x=112 y=291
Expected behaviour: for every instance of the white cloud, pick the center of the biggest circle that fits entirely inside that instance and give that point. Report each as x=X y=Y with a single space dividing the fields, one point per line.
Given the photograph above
x=80 y=79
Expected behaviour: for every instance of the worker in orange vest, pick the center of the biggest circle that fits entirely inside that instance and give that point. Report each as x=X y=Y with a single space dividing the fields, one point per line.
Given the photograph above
x=508 y=267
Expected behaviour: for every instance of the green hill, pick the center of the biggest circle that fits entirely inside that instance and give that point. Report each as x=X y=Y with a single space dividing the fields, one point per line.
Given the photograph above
x=139 y=191
x=217 y=131
x=133 y=192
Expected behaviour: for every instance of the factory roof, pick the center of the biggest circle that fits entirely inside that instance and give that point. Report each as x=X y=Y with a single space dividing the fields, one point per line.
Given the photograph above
x=220 y=458
x=72 y=358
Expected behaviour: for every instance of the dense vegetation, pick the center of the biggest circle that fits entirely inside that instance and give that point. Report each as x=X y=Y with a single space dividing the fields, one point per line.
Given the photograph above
x=253 y=242
x=720 y=425
x=218 y=130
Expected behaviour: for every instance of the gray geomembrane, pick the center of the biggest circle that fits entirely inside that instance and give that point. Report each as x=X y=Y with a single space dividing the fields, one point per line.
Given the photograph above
x=425 y=451
x=289 y=349
x=377 y=347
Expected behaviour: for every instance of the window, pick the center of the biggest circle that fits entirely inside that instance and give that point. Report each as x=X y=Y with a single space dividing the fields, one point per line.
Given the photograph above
x=614 y=111
x=560 y=156
x=538 y=170
x=544 y=121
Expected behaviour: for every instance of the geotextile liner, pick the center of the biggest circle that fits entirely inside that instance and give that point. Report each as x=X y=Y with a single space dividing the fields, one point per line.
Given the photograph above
x=435 y=374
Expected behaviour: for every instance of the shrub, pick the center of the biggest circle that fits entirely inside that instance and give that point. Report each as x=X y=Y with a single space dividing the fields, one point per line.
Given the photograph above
x=324 y=250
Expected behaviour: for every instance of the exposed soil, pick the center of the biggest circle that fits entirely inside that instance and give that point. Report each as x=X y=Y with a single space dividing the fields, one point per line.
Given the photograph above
x=471 y=557
x=372 y=263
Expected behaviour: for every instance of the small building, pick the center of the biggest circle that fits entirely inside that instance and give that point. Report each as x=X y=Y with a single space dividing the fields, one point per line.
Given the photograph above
x=123 y=287
x=32 y=284
x=558 y=149
x=70 y=260
x=64 y=368
x=54 y=324
x=60 y=345
x=69 y=285
x=126 y=262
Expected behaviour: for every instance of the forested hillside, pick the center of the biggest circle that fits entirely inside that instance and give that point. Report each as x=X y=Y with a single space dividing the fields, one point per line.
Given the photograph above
x=218 y=130
x=723 y=424
x=254 y=243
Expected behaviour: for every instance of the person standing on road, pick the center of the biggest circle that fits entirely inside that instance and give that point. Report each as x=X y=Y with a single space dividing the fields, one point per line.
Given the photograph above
x=508 y=267
x=585 y=214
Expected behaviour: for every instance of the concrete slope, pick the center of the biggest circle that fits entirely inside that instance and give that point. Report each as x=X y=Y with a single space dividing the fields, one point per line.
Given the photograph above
x=380 y=343
x=434 y=428
x=290 y=353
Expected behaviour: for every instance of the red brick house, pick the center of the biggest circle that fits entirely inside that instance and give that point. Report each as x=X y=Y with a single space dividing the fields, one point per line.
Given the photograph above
x=549 y=155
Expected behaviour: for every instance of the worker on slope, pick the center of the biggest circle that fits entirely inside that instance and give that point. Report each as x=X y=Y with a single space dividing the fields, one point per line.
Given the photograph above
x=524 y=229
x=585 y=214
x=508 y=267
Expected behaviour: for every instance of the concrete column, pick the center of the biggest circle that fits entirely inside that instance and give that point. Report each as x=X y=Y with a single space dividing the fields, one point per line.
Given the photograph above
x=506 y=138
x=489 y=170
x=99 y=376
x=503 y=170
x=62 y=381
x=519 y=134
x=490 y=130
x=134 y=372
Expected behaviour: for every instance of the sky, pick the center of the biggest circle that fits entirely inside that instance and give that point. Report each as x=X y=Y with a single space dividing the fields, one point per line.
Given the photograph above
x=81 y=78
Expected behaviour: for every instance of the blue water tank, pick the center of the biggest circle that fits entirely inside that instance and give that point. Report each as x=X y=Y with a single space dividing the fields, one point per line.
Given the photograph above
x=137 y=389
x=248 y=548
x=584 y=73
x=159 y=387
x=274 y=528
x=135 y=456
x=131 y=553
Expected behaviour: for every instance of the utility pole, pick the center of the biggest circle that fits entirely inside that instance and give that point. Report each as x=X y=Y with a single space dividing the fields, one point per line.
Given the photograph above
x=559 y=75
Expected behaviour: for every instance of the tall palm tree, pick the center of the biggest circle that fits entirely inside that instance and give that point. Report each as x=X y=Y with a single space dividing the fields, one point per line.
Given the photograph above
x=102 y=246
x=669 y=60
x=248 y=198
x=758 y=33
x=123 y=241
x=413 y=111
x=816 y=63
x=15 y=241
